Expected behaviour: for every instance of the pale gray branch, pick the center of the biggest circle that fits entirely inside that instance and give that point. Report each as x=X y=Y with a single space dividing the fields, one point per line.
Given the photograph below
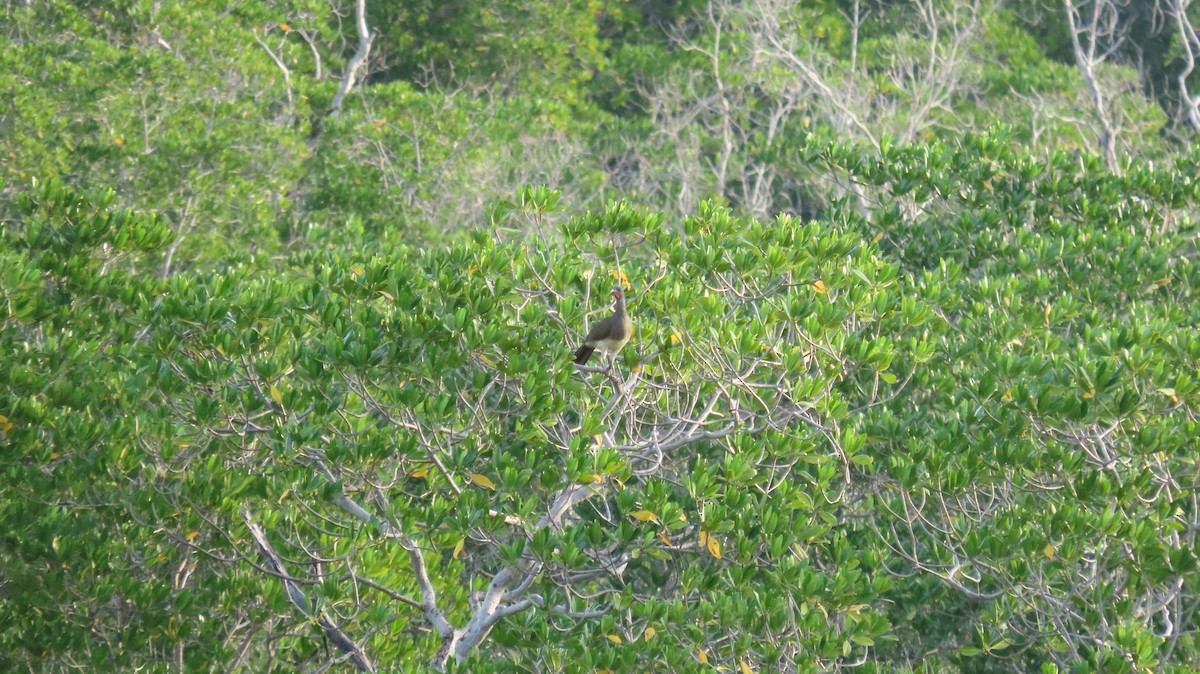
x=334 y=633
x=356 y=62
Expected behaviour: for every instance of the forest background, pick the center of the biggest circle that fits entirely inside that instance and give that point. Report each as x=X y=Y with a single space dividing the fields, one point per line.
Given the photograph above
x=289 y=292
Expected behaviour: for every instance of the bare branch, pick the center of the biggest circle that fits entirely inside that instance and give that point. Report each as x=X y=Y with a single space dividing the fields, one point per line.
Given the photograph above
x=351 y=74
x=1190 y=48
x=356 y=62
x=296 y=596
x=287 y=74
x=420 y=570
x=1087 y=59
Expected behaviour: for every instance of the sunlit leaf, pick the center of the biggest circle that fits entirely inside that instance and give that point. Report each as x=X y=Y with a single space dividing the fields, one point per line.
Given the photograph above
x=644 y=516
x=714 y=547
x=483 y=481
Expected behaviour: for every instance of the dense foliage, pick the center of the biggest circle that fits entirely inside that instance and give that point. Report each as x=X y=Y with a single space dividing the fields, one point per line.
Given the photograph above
x=287 y=382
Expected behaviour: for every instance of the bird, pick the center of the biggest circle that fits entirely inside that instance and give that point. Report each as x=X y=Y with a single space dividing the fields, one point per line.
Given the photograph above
x=610 y=334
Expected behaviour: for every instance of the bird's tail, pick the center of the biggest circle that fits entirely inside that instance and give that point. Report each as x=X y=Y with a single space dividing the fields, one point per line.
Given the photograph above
x=582 y=355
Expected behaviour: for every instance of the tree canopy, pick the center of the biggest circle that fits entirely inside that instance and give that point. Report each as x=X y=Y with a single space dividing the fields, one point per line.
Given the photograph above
x=287 y=312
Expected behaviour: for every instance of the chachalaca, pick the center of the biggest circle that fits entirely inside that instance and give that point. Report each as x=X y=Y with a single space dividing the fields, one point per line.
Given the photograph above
x=610 y=334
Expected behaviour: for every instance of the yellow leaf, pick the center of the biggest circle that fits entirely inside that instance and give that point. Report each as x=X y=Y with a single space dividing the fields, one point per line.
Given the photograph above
x=54 y=456
x=648 y=634
x=276 y=395
x=746 y=668
x=357 y=271
x=620 y=276
x=483 y=481
x=1162 y=281
x=458 y=548
x=1048 y=551
x=119 y=141
x=702 y=656
x=877 y=239
x=5 y=425
x=489 y=361
x=1047 y=315
x=419 y=473
x=192 y=535
x=703 y=539
x=1007 y=397
x=388 y=296
x=614 y=638
x=664 y=539
x=644 y=516
x=819 y=286
x=286 y=27
x=675 y=338
x=599 y=438
x=1090 y=394
x=379 y=123
x=714 y=547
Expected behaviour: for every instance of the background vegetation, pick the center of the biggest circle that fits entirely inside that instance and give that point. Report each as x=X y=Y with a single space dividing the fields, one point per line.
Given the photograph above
x=289 y=292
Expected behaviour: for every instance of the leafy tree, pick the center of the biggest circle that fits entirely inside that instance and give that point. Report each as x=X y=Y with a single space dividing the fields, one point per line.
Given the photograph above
x=1037 y=484
x=545 y=48
x=282 y=392
x=977 y=457
x=408 y=459
x=160 y=105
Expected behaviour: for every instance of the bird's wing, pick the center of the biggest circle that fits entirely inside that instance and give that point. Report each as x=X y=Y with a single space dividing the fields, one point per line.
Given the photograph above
x=601 y=330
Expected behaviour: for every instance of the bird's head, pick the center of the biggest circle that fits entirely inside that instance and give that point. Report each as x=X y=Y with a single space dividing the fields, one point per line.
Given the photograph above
x=618 y=293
